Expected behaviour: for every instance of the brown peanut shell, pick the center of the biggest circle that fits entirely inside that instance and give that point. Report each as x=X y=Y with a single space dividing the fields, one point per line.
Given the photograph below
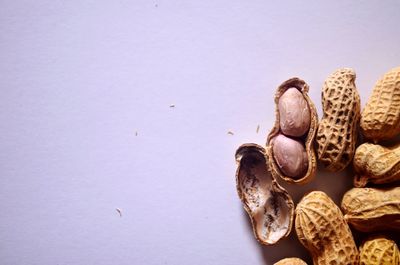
x=371 y=209
x=376 y=164
x=337 y=131
x=380 y=118
x=268 y=205
x=308 y=139
x=291 y=261
x=323 y=231
x=379 y=250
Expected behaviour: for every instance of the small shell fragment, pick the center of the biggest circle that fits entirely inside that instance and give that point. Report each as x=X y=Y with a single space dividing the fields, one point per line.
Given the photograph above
x=268 y=205
x=119 y=211
x=230 y=133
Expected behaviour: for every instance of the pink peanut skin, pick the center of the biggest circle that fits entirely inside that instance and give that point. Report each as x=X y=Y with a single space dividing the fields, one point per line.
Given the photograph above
x=294 y=113
x=290 y=155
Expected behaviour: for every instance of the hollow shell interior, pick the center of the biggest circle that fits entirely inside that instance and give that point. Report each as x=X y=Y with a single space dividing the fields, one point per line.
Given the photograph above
x=269 y=206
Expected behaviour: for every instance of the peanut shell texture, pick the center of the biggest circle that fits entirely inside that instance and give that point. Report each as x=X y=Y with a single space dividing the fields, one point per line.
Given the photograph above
x=372 y=209
x=379 y=250
x=299 y=124
x=380 y=118
x=290 y=261
x=376 y=164
x=268 y=205
x=323 y=231
x=338 y=129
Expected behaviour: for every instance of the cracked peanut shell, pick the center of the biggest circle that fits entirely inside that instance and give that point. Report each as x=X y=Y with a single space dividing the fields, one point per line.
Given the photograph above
x=304 y=175
x=379 y=250
x=323 y=231
x=337 y=131
x=376 y=164
x=380 y=119
x=268 y=205
x=371 y=209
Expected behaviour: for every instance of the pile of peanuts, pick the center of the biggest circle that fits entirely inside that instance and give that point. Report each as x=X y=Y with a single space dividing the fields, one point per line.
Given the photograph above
x=345 y=136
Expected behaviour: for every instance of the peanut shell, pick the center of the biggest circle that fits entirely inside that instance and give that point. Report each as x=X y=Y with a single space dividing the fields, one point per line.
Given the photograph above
x=307 y=139
x=376 y=164
x=379 y=250
x=290 y=261
x=337 y=131
x=323 y=231
x=371 y=209
x=268 y=205
x=380 y=119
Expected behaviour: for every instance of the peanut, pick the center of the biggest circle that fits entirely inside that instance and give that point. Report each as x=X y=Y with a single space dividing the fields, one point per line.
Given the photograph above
x=294 y=113
x=291 y=261
x=295 y=116
x=376 y=164
x=268 y=205
x=380 y=119
x=379 y=250
x=290 y=155
x=337 y=131
x=322 y=229
x=370 y=209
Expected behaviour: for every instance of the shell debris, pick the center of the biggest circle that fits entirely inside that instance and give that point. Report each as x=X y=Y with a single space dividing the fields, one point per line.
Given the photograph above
x=119 y=211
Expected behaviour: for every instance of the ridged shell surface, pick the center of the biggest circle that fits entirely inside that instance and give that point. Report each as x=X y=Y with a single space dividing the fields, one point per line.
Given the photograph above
x=322 y=229
x=291 y=261
x=371 y=209
x=379 y=251
x=376 y=164
x=337 y=131
x=380 y=119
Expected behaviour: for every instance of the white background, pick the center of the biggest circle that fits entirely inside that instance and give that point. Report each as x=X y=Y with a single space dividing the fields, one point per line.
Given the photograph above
x=79 y=78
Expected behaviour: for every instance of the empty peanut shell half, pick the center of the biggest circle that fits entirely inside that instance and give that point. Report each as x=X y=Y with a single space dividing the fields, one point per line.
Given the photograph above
x=268 y=205
x=290 y=142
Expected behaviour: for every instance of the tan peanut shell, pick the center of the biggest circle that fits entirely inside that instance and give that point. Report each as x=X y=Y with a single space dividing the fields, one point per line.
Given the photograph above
x=379 y=251
x=307 y=139
x=291 y=261
x=380 y=118
x=376 y=164
x=268 y=205
x=323 y=231
x=371 y=209
x=337 y=131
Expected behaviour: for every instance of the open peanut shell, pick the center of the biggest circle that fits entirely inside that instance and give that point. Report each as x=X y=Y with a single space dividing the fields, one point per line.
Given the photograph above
x=268 y=205
x=307 y=139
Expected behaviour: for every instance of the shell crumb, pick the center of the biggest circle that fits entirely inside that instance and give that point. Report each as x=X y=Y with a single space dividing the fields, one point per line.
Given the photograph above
x=258 y=128
x=119 y=211
x=172 y=105
x=230 y=133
